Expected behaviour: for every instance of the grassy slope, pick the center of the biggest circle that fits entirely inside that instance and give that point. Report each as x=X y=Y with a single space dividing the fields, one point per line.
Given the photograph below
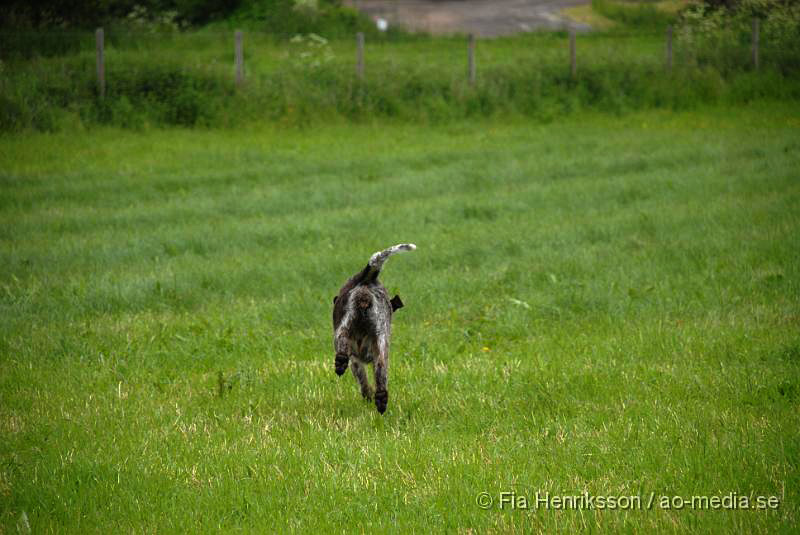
x=604 y=305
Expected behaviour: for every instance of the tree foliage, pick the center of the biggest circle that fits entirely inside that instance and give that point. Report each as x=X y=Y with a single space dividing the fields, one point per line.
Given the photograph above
x=719 y=30
x=78 y=14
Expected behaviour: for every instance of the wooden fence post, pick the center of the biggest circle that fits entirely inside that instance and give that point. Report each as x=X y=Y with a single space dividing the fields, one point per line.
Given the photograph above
x=239 y=55
x=756 y=22
x=572 y=64
x=360 y=55
x=669 y=48
x=99 y=38
x=471 y=59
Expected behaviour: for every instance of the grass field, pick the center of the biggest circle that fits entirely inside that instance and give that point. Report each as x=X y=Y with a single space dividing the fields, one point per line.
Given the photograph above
x=602 y=305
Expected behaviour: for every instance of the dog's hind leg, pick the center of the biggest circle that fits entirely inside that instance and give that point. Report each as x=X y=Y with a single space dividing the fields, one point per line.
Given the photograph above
x=382 y=373
x=342 y=345
x=361 y=376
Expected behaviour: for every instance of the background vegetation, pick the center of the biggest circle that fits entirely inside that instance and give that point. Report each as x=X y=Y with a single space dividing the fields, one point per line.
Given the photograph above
x=605 y=298
x=277 y=16
x=158 y=74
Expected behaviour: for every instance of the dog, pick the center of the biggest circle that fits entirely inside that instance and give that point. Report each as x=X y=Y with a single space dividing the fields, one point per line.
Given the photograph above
x=362 y=326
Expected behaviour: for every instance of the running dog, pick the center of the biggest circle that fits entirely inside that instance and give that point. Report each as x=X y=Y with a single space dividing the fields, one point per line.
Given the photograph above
x=362 y=326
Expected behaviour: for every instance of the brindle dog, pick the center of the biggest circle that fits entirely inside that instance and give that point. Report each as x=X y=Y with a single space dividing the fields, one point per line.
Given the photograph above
x=362 y=326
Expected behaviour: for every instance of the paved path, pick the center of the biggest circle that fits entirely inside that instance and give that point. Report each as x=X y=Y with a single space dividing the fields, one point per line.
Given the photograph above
x=484 y=18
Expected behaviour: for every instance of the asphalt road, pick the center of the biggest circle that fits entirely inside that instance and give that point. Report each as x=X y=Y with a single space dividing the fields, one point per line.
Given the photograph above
x=484 y=18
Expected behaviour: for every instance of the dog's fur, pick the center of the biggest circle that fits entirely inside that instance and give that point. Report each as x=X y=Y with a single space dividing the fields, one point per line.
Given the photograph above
x=362 y=326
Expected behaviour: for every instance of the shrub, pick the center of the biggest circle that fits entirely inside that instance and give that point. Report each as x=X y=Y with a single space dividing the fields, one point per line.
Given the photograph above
x=721 y=33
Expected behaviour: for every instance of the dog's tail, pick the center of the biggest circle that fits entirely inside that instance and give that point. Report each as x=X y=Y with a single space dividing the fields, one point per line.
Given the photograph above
x=377 y=260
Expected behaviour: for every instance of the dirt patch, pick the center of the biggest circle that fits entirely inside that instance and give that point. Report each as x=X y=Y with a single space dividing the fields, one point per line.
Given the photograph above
x=484 y=18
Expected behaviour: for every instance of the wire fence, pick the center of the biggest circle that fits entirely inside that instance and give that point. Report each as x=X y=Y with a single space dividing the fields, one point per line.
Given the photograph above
x=190 y=77
x=255 y=53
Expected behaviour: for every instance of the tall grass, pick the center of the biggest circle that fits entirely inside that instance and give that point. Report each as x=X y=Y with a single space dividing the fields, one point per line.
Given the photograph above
x=187 y=79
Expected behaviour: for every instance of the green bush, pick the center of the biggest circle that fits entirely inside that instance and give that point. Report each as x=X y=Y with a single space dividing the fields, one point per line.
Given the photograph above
x=287 y=18
x=722 y=36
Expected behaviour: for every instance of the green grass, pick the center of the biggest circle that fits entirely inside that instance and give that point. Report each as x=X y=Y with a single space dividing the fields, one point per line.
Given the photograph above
x=635 y=15
x=603 y=305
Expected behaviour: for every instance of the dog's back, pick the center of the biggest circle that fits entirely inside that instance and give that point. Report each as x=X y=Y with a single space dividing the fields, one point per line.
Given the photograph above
x=368 y=277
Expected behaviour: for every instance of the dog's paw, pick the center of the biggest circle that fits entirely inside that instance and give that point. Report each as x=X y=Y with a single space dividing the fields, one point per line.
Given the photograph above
x=341 y=363
x=381 y=400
